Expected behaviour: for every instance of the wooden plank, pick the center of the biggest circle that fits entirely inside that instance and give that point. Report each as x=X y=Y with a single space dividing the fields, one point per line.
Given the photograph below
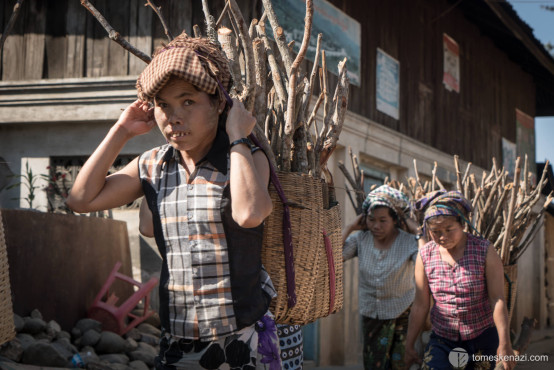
x=117 y=13
x=3 y=6
x=14 y=47
x=140 y=33
x=549 y=264
x=179 y=18
x=96 y=44
x=35 y=27
x=55 y=40
x=75 y=26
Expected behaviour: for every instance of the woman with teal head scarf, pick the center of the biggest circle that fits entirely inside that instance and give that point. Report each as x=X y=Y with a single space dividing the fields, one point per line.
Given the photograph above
x=386 y=259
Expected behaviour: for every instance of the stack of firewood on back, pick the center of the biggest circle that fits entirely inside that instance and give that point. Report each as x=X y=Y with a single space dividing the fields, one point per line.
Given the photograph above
x=268 y=79
x=503 y=208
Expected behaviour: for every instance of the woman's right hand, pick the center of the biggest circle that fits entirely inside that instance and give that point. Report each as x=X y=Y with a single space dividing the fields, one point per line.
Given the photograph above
x=359 y=223
x=410 y=357
x=137 y=118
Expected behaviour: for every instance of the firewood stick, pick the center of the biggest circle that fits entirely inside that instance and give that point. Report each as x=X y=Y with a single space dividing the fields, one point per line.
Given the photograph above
x=249 y=93
x=252 y=28
x=417 y=174
x=525 y=174
x=355 y=167
x=11 y=22
x=498 y=208
x=489 y=201
x=439 y=183
x=434 y=172
x=473 y=183
x=347 y=175
x=313 y=75
x=276 y=134
x=483 y=177
x=300 y=137
x=325 y=90
x=228 y=45
x=458 y=174
x=504 y=251
x=340 y=105
x=273 y=66
x=113 y=34
x=267 y=122
x=322 y=132
x=196 y=31
x=223 y=12
x=260 y=102
x=466 y=174
x=476 y=200
x=532 y=233
x=268 y=115
x=160 y=16
x=494 y=168
x=492 y=174
x=210 y=23
x=291 y=103
x=279 y=36
x=354 y=205
x=314 y=111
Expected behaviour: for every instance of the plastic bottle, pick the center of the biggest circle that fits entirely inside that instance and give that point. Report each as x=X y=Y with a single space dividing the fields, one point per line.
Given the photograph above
x=81 y=359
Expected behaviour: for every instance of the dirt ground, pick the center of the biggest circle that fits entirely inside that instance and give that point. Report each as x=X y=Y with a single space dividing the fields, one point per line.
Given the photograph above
x=542 y=344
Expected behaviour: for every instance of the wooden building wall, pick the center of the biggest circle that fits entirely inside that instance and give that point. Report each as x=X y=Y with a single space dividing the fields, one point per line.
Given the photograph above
x=60 y=39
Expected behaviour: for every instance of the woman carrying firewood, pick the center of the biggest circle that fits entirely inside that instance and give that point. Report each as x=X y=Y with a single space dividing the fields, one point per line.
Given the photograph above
x=464 y=275
x=207 y=193
x=386 y=257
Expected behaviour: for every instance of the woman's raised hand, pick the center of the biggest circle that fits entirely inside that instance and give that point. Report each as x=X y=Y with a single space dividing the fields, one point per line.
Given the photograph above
x=240 y=121
x=137 y=118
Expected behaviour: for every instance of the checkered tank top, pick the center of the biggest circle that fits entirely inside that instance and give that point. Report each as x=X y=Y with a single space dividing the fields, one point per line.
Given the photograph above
x=462 y=310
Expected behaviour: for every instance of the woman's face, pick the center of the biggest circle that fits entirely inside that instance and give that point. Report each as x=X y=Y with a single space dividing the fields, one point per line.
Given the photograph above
x=187 y=117
x=446 y=231
x=380 y=223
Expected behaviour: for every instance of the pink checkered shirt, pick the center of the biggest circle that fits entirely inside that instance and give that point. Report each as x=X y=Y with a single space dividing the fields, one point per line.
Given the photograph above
x=462 y=310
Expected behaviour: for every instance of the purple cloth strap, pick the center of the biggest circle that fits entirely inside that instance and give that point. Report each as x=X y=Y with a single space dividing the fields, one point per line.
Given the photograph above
x=331 y=263
x=287 y=233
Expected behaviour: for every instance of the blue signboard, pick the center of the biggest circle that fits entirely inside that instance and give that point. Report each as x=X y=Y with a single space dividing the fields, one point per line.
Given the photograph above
x=388 y=84
x=341 y=33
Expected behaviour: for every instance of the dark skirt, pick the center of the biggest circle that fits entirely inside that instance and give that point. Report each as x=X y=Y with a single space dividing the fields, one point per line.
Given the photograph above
x=442 y=353
x=385 y=342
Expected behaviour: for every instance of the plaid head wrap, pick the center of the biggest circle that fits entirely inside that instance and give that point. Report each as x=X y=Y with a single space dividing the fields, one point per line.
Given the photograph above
x=445 y=203
x=389 y=197
x=196 y=60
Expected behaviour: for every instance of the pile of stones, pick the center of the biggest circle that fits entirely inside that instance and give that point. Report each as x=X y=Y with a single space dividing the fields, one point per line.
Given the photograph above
x=42 y=343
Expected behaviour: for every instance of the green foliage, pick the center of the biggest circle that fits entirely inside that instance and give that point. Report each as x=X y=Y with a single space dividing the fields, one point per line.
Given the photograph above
x=29 y=180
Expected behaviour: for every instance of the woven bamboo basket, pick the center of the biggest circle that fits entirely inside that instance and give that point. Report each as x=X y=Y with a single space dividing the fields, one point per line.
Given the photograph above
x=318 y=274
x=7 y=329
x=510 y=288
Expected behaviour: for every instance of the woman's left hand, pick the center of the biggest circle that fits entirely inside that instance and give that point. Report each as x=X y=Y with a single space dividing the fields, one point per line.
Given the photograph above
x=240 y=121
x=413 y=225
x=506 y=354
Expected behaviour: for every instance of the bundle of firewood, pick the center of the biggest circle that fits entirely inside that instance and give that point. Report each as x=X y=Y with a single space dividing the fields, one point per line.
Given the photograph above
x=269 y=80
x=502 y=209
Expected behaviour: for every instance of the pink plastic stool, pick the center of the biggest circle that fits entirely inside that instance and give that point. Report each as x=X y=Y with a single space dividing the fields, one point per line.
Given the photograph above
x=114 y=318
